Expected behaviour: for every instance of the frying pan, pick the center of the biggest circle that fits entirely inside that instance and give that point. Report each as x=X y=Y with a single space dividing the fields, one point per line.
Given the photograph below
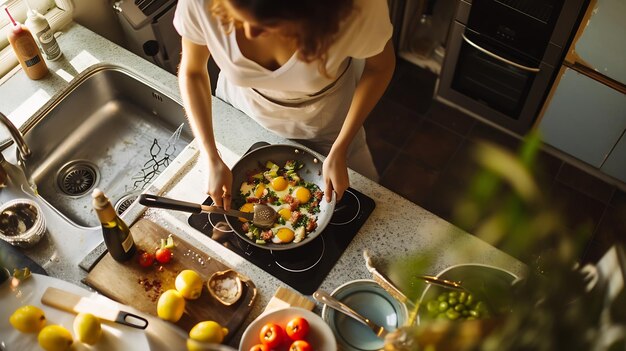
x=280 y=154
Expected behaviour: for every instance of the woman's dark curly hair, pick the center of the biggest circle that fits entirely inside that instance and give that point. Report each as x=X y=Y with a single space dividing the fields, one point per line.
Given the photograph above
x=318 y=21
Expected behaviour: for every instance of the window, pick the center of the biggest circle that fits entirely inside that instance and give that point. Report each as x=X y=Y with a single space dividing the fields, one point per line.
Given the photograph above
x=57 y=12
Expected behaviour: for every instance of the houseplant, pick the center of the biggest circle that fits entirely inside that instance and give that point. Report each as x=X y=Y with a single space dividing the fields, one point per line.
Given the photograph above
x=559 y=305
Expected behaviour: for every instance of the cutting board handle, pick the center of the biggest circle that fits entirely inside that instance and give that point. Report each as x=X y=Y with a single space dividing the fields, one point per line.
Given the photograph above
x=131 y=320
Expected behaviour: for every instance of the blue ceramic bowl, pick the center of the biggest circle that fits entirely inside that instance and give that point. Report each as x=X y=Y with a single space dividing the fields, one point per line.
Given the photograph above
x=370 y=300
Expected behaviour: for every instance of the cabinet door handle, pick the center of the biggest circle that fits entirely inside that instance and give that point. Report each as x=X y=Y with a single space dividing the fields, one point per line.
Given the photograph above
x=500 y=58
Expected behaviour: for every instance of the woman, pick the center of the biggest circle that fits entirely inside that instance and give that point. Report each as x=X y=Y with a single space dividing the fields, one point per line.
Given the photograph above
x=308 y=70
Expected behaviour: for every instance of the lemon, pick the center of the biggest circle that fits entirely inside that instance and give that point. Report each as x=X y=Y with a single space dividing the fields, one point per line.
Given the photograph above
x=87 y=328
x=209 y=332
x=171 y=305
x=189 y=283
x=55 y=338
x=28 y=319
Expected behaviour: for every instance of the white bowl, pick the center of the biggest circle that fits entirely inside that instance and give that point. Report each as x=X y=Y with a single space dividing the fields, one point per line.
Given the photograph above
x=369 y=299
x=320 y=336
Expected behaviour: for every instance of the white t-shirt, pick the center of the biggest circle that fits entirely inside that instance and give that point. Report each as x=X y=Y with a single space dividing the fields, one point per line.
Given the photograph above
x=287 y=100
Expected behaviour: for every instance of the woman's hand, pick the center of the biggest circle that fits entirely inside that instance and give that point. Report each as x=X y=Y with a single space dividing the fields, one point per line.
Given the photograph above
x=335 y=173
x=220 y=181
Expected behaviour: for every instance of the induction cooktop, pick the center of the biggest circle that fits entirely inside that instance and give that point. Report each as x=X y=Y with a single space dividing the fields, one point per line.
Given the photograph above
x=304 y=267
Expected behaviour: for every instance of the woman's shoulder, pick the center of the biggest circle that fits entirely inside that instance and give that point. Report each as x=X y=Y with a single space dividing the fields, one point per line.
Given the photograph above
x=366 y=31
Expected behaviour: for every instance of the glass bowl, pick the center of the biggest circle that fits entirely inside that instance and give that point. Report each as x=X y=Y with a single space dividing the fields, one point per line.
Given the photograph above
x=21 y=222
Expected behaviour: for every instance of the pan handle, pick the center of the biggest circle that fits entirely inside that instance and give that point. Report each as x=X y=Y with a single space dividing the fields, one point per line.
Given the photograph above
x=150 y=200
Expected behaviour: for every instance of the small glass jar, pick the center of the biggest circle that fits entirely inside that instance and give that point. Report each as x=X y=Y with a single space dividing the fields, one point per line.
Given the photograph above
x=22 y=223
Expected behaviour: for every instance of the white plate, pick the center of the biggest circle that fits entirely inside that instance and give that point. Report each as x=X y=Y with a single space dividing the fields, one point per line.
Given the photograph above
x=320 y=336
x=114 y=337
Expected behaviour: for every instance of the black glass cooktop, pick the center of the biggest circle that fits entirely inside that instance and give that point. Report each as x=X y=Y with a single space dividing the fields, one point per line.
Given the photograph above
x=304 y=267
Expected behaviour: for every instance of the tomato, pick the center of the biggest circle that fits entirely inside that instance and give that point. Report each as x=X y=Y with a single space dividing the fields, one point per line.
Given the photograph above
x=297 y=328
x=272 y=335
x=259 y=347
x=300 y=345
x=163 y=255
x=146 y=259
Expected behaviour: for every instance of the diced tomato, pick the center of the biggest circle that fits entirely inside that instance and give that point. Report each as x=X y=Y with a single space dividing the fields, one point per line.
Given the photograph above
x=311 y=225
x=267 y=235
x=294 y=204
x=295 y=216
x=318 y=194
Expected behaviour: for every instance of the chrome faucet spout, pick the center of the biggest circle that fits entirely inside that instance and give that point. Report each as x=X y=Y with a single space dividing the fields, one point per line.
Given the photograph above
x=16 y=135
x=23 y=153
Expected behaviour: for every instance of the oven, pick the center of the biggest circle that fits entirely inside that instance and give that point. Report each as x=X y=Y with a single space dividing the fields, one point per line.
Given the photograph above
x=502 y=55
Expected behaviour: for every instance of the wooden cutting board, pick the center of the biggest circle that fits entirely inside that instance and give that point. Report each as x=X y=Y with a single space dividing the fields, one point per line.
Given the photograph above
x=140 y=287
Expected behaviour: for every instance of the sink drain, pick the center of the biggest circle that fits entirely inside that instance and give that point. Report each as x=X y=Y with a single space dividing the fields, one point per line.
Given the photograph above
x=124 y=203
x=77 y=177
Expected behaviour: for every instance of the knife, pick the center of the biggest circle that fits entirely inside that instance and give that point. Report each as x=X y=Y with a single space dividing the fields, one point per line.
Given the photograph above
x=72 y=303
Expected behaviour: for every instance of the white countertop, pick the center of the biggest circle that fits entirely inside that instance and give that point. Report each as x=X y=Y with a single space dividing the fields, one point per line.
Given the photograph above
x=397 y=227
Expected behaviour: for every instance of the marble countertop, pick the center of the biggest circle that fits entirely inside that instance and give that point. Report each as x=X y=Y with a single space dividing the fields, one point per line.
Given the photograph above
x=396 y=229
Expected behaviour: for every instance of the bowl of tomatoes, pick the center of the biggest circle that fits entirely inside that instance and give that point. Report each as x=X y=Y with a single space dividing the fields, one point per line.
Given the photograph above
x=288 y=329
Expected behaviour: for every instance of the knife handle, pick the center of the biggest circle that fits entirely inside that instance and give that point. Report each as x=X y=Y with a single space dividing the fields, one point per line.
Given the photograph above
x=131 y=320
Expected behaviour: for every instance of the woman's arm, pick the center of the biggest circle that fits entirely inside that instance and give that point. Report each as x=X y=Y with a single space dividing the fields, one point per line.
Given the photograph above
x=374 y=80
x=195 y=88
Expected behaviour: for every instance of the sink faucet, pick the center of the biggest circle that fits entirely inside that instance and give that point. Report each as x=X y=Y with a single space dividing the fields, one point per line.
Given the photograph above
x=22 y=148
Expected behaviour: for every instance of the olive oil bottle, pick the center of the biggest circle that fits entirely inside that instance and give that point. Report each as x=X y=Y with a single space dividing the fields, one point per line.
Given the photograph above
x=117 y=236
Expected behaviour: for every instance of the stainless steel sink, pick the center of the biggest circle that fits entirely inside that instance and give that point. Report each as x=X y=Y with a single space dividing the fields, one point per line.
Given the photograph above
x=111 y=130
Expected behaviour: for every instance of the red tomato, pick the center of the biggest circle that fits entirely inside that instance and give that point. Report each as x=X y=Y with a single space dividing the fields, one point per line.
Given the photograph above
x=163 y=255
x=272 y=335
x=297 y=328
x=300 y=345
x=145 y=259
x=259 y=347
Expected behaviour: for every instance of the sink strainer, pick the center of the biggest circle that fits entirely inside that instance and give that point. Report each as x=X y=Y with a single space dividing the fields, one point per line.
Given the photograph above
x=77 y=177
x=124 y=203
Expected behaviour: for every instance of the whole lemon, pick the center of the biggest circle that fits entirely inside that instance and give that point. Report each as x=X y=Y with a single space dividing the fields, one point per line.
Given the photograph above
x=87 y=328
x=189 y=283
x=55 y=338
x=209 y=332
x=28 y=319
x=171 y=305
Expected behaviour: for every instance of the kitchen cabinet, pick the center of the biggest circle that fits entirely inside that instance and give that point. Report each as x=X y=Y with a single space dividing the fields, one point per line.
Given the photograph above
x=585 y=118
x=585 y=112
x=615 y=164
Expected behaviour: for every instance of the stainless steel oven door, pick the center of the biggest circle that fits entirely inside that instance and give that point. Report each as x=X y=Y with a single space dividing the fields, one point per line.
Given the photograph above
x=491 y=82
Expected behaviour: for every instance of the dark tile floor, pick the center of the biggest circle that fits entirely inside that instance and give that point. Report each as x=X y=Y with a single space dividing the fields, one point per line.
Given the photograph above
x=409 y=133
